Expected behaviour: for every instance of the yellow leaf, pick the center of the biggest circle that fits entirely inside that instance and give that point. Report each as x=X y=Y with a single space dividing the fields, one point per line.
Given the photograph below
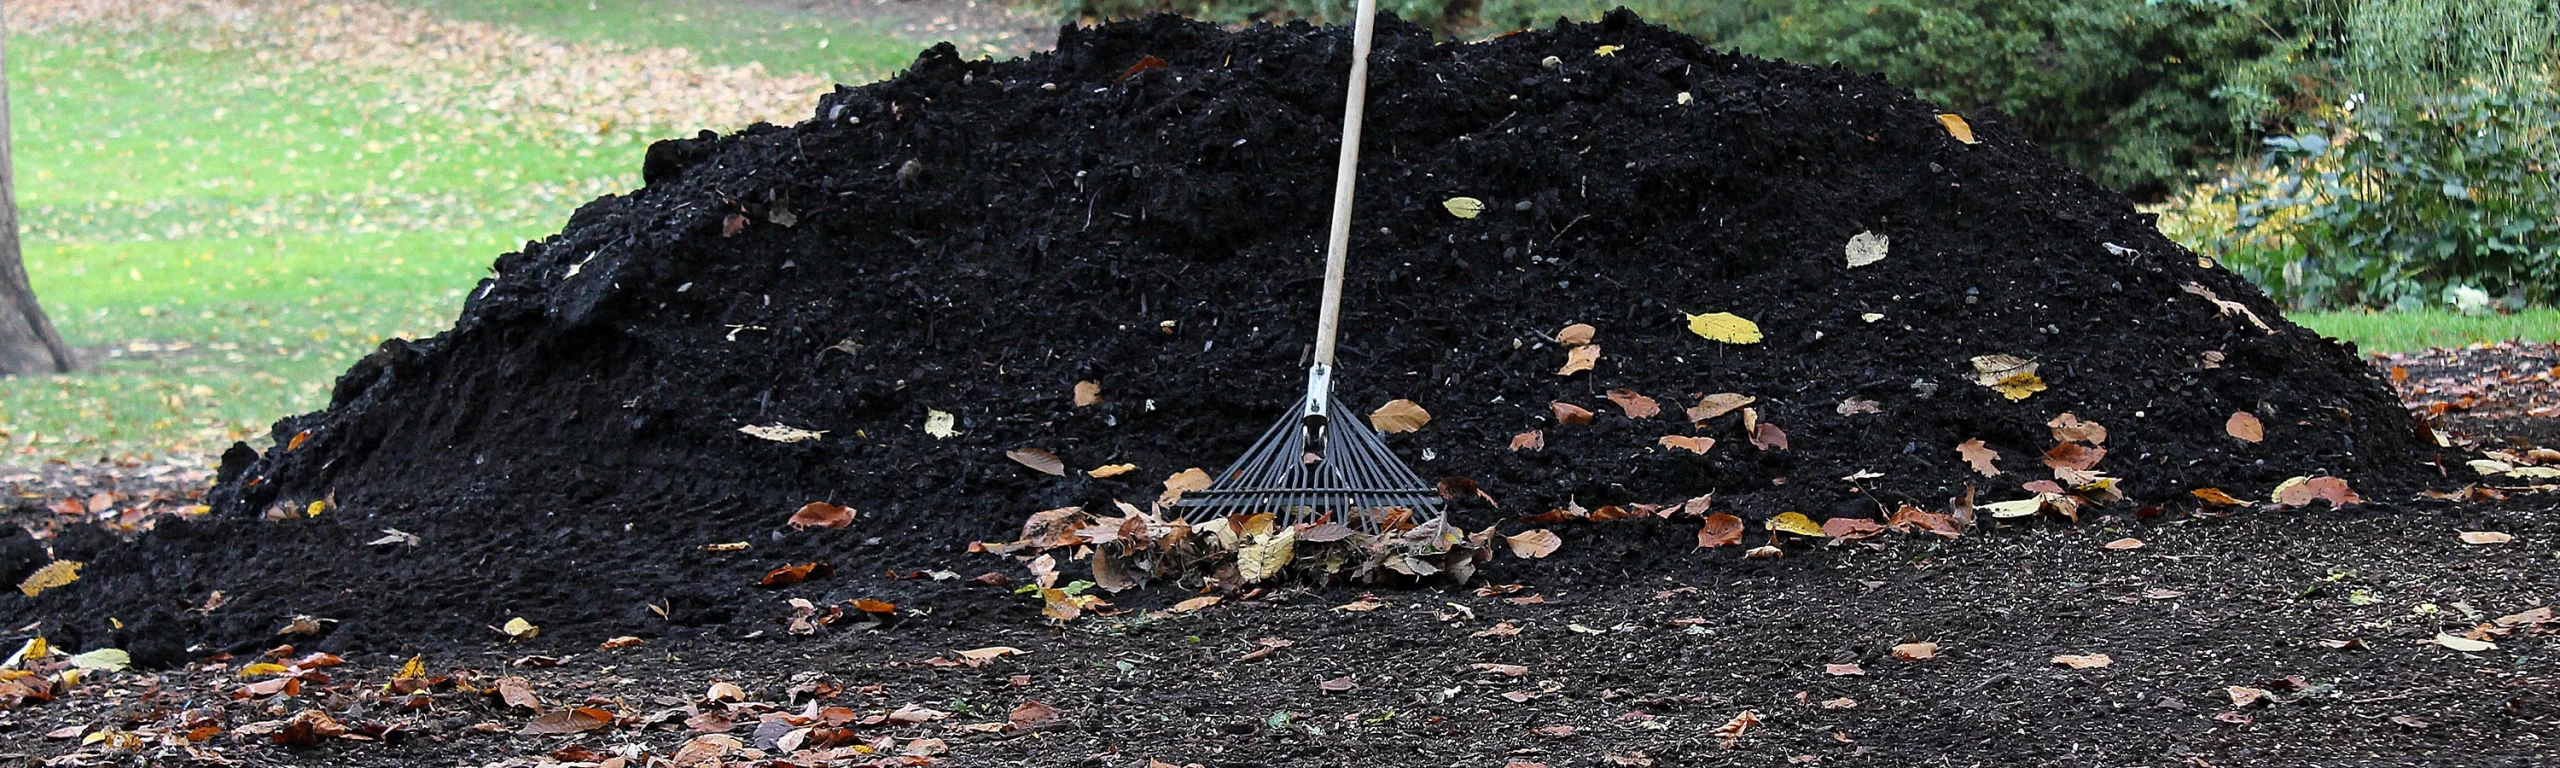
x=415 y=669
x=34 y=648
x=1401 y=416
x=103 y=659
x=1795 y=523
x=315 y=508
x=1534 y=543
x=1112 y=470
x=2019 y=386
x=519 y=629
x=1607 y=50
x=1464 y=207
x=1957 y=127
x=53 y=574
x=939 y=424
x=1264 y=558
x=264 y=668
x=1725 y=327
x=2216 y=497
x=1867 y=248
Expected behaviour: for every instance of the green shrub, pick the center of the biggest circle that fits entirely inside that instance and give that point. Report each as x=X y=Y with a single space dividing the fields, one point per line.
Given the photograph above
x=2403 y=207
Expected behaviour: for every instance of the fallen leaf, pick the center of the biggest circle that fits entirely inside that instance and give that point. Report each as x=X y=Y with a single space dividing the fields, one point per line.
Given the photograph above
x=1725 y=327
x=2074 y=456
x=1698 y=445
x=1111 y=470
x=1867 y=248
x=1580 y=359
x=1534 y=543
x=1857 y=405
x=1194 y=604
x=1338 y=685
x=1980 y=456
x=779 y=432
x=1843 y=702
x=1733 y=729
x=1505 y=670
x=103 y=660
x=1568 y=413
x=1088 y=393
x=868 y=605
x=2301 y=491
x=1033 y=714
x=517 y=692
x=2243 y=696
x=912 y=714
x=1038 y=459
x=619 y=642
x=1185 y=481
x=394 y=536
x=1464 y=207
x=1636 y=406
x=1851 y=528
x=1957 y=127
x=2409 y=721
x=1532 y=440
x=54 y=574
x=567 y=721
x=2486 y=537
x=2089 y=661
x=1720 y=529
x=1843 y=670
x=2463 y=644
x=1769 y=437
x=1912 y=519
x=1795 y=523
x=819 y=514
x=2244 y=426
x=2070 y=428
x=1399 y=416
x=2124 y=544
x=1718 y=404
x=2535 y=617
x=1915 y=651
x=1576 y=335
x=2215 y=497
x=2014 y=377
x=793 y=574
x=940 y=425
x=519 y=629
x=1263 y=558
x=1764 y=552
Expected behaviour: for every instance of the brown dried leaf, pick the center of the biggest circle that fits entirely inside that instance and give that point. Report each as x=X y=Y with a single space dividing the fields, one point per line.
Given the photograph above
x=1720 y=529
x=2070 y=428
x=1088 y=393
x=1033 y=714
x=1576 y=335
x=1851 y=528
x=1532 y=440
x=1717 y=405
x=1769 y=437
x=2301 y=491
x=1535 y=543
x=1111 y=470
x=794 y=574
x=1697 y=445
x=1915 y=651
x=2245 y=426
x=1192 y=479
x=2215 y=497
x=1568 y=413
x=2083 y=661
x=819 y=514
x=516 y=692
x=1980 y=456
x=1636 y=406
x=1399 y=416
x=1580 y=359
x=567 y=721
x=1038 y=459
x=2074 y=456
x=2124 y=544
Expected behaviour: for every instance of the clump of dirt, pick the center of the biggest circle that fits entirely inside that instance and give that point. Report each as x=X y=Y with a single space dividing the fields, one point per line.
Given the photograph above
x=974 y=238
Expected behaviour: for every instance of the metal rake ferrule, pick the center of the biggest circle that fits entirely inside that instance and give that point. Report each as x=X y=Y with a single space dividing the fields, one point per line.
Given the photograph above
x=1346 y=476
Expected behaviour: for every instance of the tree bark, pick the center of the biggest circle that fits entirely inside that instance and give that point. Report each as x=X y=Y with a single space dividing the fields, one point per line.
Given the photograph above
x=28 y=343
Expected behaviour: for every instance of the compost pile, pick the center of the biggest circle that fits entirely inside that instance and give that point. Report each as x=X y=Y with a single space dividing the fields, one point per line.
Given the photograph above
x=898 y=291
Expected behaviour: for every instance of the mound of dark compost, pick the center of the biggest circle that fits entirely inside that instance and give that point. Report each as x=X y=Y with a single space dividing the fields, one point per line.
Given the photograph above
x=1144 y=208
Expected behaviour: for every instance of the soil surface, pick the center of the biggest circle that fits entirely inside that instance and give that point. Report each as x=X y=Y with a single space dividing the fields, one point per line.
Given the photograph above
x=1143 y=208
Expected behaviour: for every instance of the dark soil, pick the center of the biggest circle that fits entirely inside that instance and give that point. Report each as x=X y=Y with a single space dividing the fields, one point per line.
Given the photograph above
x=976 y=237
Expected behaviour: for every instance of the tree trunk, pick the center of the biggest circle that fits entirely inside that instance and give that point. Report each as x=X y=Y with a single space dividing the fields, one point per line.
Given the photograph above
x=28 y=343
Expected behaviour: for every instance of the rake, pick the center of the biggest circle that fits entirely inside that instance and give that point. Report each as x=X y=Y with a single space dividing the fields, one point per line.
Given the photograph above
x=1311 y=467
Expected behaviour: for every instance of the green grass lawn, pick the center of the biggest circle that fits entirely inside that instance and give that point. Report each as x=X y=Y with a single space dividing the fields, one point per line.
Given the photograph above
x=734 y=33
x=2410 y=331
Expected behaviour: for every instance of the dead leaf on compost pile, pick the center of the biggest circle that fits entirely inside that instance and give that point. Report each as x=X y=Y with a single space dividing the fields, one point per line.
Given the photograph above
x=819 y=514
x=516 y=692
x=1857 y=405
x=1088 y=393
x=1636 y=406
x=1532 y=440
x=1338 y=685
x=2301 y=491
x=2463 y=644
x=1957 y=127
x=2243 y=696
x=2014 y=377
x=517 y=629
x=1720 y=529
x=1794 y=522
x=298 y=439
x=1732 y=730
x=2079 y=661
x=1698 y=445
x=1263 y=558
x=1844 y=670
x=1718 y=404
x=1463 y=207
x=1851 y=528
x=1769 y=437
x=2070 y=428
x=1576 y=335
x=780 y=433
x=2074 y=456
x=1111 y=470
x=2245 y=426
x=1867 y=248
x=940 y=425
x=1915 y=651
x=2486 y=537
x=54 y=574
x=1192 y=479
x=1033 y=714
x=1399 y=416
x=2215 y=497
x=1843 y=702
x=1194 y=604
x=1051 y=528
x=2124 y=544
x=1534 y=543
x=868 y=605
x=1725 y=327
x=1038 y=459
x=1580 y=359
x=1912 y=519
x=1980 y=457
x=793 y=574
x=1568 y=413
x=567 y=721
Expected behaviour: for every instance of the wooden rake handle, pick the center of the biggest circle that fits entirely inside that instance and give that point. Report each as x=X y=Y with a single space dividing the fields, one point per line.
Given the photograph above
x=1346 y=173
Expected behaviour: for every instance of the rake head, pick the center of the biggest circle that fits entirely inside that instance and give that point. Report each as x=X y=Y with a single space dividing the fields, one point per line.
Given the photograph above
x=1308 y=469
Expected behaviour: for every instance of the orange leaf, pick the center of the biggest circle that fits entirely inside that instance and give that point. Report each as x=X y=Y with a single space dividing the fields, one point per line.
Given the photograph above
x=1980 y=456
x=1532 y=440
x=868 y=605
x=1576 y=335
x=2301 y=491
x=1399 y=416
x=819 y=514
x=1720 y=530
x=298 y=439
x=2073 y=456
x=2070 y=428
x=1913 y=520
x=1568 y=413
x=1851 y=528
x=1144 y=63
x=794 y=574
x=2089 y=661
x=2245 y=426
x=1915 y=651
x=1698 y=445
x=1636 y=406
x=2216 y=497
